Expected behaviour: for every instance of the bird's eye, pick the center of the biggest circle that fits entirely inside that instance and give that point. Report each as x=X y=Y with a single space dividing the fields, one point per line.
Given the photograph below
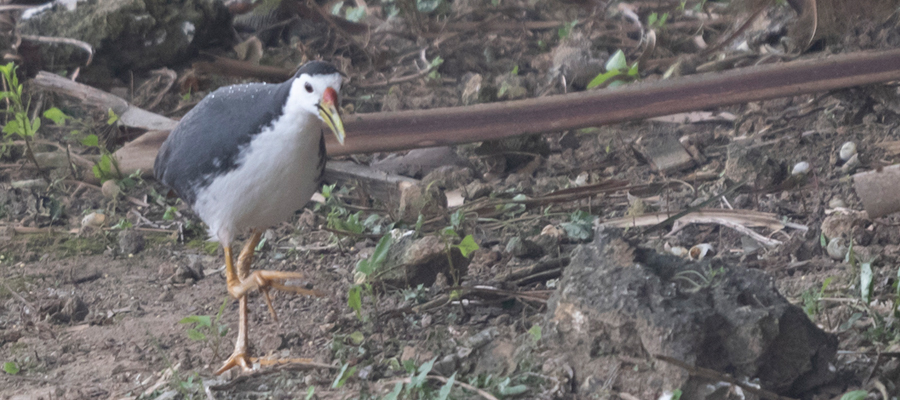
x=308 y=87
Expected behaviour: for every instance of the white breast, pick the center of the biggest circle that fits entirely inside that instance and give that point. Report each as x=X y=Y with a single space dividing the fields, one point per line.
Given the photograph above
x=277 y=175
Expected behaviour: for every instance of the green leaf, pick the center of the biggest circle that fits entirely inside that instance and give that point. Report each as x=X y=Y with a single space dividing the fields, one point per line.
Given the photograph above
x=310 y=393
x=105 y=164
x=417 y=380
x=457 y=218
x=13 y=127
x=56 y=115
x=865 y=281
x=365 y=267
x=124 y=223
x=112 y=117
x=580 y=225
x=91 y=141
x=381 y=251
x=419 y=222
x=676 y=394
x=355 y=14
x=327 y=190
x=535 y=333
x=506 y=390
x=633 y=71
x=444 y=393
x=196 y=335
x=565 y=30
x=603 y=78
x=394 y=394
x=354 y=299
x=10 y=368
x=356 y=338
x=855 y=395
x=467 y=246
x=201 y=320
x=427 y=6
x=170 y=212
x=617 y=61
x=35 y=125
x=342 y=376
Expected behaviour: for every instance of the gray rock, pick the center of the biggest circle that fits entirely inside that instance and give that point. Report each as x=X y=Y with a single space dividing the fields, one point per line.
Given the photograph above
x=753 y=166
x=477 y=189
x=616 y=302
x=70 y=309
x=523 y=248
x=130 y=241
x=419 y=199
x=411 y=262
x=133 y=34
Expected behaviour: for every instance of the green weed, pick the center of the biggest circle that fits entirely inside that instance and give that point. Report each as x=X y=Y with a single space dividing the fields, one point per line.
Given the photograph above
x=617 y=72
x=203 y=329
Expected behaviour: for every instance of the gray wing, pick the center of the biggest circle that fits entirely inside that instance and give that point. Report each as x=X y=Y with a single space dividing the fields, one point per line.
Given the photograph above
x=207 y=141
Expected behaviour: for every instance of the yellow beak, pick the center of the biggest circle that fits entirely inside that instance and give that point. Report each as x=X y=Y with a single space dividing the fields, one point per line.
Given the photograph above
x=329 y=112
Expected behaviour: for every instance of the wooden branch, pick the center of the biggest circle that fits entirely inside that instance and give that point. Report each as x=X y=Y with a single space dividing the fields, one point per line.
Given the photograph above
x=129 y=115
x=403 y=130
x=367 y=133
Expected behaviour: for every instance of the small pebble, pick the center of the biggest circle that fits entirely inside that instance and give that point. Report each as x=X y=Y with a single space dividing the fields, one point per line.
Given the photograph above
x=93 y=220
x=851 y=165
x=110 y=189
x=801 y=167
x=847 y=150
x=836 y=249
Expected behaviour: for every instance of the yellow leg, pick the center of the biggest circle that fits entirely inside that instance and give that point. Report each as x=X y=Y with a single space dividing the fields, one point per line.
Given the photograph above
x=240 y=282
x=239 y=357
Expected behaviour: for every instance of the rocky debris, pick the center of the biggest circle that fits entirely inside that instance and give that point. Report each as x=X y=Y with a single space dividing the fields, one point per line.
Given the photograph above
x=571 y=65
x=65 y=310
x=463 y=357
x=449 y=177
x=523 y=248
x=187 y=273
x=847 y=224
x=755 y=167
x=411 y=262
x=477 y=189
x=663 y=151
x=133 y=35
x=420 y=162
x=130 y=241
x=429 y=201
x=617 y=304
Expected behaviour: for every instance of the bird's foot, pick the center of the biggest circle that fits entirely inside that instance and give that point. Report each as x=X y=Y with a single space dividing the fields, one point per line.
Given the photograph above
x=238 y=358
x=265 y=280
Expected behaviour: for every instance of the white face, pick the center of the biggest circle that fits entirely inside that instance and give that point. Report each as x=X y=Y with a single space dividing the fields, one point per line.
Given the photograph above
x=309 y=90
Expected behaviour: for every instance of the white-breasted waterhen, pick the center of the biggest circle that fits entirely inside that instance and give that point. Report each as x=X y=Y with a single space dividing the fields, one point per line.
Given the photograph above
x=246 y=158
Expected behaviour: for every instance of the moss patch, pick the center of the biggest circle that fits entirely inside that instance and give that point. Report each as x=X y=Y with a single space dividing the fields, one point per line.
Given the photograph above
x=65 y=245
x=204 y=246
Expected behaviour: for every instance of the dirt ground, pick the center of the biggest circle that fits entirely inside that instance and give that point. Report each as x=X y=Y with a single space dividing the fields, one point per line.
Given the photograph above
x=112 y=313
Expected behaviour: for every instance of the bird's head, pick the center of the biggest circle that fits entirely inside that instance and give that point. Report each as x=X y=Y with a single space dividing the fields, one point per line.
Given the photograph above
x=318 y=84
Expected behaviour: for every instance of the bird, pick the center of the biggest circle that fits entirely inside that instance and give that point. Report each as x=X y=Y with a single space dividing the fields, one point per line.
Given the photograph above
x=245 y=158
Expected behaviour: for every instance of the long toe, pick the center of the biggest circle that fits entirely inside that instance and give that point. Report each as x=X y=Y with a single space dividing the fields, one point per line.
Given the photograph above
x=239 y=358
x=269 y=279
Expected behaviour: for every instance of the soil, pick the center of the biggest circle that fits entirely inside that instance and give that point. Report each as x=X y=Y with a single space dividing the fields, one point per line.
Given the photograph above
x=112 y=312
